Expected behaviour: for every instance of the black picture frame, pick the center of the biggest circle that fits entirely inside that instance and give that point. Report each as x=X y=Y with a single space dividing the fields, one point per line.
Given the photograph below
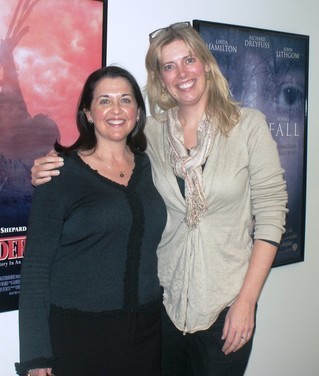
x=268 y=70
x=104 y=31
x=37 y=91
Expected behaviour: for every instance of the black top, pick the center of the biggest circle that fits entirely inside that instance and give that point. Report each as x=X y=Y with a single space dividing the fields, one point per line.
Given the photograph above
x=91 y=246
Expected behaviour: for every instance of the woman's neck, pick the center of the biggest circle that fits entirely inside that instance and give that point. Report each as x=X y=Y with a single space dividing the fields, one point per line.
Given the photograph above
x=190 y=116
x=113 y=151
x=113 y=162
x=189 y=119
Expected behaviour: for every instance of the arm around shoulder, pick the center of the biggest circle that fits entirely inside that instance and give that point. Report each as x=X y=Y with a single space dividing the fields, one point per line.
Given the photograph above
x=44 y=168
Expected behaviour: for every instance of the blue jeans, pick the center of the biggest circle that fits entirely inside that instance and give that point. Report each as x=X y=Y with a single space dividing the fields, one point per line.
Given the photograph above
x=200 y=353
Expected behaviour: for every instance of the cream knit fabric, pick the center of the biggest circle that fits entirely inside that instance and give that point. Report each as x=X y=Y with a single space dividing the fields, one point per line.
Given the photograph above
x=202 y=269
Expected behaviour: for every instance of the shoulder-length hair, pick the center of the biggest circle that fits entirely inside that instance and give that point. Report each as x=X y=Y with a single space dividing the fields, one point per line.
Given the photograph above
x=220 y=105
x=136 y=140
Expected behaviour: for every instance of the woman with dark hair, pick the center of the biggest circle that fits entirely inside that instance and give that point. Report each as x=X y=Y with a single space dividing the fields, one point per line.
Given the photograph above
x=87 y=139
x=90 y=297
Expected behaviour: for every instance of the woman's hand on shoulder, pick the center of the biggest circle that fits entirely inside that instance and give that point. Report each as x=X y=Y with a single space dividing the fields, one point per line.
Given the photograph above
x=44 y=168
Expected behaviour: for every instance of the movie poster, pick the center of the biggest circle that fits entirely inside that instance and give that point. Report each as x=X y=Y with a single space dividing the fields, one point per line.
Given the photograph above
x=47 y=49
x=268 y=70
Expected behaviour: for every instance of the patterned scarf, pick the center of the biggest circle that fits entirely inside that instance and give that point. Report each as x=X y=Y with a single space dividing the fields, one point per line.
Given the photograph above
x=188 y=164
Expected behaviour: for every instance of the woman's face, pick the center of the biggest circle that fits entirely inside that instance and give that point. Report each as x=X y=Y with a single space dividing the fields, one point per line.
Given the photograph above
x=183 y=74
x=113 y=109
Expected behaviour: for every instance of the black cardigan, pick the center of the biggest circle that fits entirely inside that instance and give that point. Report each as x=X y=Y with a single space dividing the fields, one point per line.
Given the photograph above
x=91 y=246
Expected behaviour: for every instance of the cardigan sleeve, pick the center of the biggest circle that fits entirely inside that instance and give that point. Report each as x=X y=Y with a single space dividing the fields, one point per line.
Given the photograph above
x=44 y=230
x=267 y=185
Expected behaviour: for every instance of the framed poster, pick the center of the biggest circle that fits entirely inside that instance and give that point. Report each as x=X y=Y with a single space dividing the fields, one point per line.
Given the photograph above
x=268 y=70
x=47 y=50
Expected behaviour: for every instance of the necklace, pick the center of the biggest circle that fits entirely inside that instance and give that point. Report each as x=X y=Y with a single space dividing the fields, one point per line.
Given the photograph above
x=121 y=174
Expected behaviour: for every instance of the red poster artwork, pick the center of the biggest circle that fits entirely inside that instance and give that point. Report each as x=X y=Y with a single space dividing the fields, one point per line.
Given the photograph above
x=47 y=50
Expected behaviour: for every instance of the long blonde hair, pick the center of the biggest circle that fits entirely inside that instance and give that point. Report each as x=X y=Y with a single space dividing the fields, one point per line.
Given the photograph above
x=220 y=104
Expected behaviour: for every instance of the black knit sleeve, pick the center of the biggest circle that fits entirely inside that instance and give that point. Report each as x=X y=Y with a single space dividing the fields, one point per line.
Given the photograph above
x=43 y=234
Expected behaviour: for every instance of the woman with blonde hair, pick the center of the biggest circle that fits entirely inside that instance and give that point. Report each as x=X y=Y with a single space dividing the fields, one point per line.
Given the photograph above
x=218 y=170
x=219 y=102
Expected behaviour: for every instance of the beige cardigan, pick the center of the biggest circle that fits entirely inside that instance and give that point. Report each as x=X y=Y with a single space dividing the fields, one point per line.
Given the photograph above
x=202 y=270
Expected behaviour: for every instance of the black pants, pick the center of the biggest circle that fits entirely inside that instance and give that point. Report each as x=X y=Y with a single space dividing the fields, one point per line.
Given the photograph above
x=113 y=345
x=200 y=353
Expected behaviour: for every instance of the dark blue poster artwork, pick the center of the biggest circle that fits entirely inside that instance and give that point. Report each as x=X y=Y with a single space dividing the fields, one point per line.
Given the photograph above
x=268 y=70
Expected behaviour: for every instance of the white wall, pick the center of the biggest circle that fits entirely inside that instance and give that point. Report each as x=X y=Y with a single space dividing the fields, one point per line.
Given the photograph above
x=287 y=337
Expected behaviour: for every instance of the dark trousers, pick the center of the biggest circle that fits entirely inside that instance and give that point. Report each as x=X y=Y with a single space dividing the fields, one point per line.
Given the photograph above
x=113 y=345
x=200 y=353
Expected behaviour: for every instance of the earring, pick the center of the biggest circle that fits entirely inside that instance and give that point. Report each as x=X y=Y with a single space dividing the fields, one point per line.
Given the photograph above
x=208 y=75
x=90 y=121
x=164 y=93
